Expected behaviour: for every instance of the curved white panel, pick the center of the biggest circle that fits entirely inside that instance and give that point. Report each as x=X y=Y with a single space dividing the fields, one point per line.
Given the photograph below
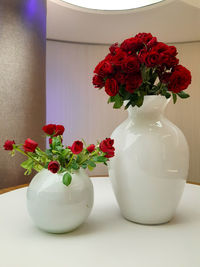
x=170 y=20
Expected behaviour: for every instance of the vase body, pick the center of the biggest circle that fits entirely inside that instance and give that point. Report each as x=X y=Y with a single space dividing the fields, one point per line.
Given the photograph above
x=150 y=167
x=55 y=207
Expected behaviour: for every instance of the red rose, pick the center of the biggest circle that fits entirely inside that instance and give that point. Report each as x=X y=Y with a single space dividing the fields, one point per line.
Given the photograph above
x=104 y=68
x=120 y=77
x=118 y=58
x=151 y=59
x=91 y=148
x=152 y=42
x=160 y=47
x=77 y=147
x=98 y=81
x=8 y=145
x=131 y=64
x=142 y=55
x=179 y=79
x=50 y=141
x=133 y=82
x=111 y=87
x=106 y=146
x=59 y=130
x=113 y=47
x=172 y=50
x=144 y=37
x=49 y=129
x=53 y=166
x=30 y=145
x=132 y=44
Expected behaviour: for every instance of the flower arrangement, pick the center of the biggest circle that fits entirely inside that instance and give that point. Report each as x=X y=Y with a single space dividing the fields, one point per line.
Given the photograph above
x=59 y=158
x=141 y=66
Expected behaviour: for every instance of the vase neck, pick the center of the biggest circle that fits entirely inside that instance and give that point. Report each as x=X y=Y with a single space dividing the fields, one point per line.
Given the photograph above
x=152 y=109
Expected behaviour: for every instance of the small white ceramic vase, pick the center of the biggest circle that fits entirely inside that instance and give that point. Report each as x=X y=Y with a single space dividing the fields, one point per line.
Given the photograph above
x=55 y=207
x=149 y=170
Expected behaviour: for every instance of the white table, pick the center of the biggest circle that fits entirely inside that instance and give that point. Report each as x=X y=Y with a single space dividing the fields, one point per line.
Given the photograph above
x=105 y=240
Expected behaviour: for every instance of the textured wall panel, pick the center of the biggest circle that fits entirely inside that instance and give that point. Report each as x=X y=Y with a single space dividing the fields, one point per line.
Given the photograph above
x=22 y=80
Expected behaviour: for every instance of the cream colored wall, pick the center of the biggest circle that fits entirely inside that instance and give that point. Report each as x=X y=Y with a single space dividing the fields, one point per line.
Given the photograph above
x=72 y=100
x=186 y=113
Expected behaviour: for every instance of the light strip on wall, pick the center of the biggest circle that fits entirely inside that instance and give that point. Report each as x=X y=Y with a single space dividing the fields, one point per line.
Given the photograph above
x=112 y=4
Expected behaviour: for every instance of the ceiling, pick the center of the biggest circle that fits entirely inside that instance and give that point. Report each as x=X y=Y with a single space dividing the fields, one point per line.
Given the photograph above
x=170 y=21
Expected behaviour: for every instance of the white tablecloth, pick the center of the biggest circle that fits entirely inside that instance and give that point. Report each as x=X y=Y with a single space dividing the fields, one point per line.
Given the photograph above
x=105 y=240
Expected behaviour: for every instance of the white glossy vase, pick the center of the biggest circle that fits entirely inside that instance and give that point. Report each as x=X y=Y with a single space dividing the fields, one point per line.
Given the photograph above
x=55 y=207
x=150 y=168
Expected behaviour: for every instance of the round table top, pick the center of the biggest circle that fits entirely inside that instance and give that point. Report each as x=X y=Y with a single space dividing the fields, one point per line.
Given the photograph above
x=105 y=240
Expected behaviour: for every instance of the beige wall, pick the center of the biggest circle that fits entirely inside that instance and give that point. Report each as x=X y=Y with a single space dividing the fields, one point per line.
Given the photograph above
x=72 y=100
x=22 y=80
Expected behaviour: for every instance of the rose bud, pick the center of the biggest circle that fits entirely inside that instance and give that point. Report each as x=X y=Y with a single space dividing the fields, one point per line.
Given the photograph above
x=106 y=146
x=50 y=141
x=77 y=147
x=49 y=129
x=53 y=166
x=8 y=145
x=30 y=145
x=59 y=130
x=90 y=148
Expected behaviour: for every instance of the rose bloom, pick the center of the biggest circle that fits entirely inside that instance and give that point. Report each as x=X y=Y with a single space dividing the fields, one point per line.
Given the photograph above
x=30 y=145
x=59 y=130
x=151 y=59
x=132 y=44
x=144 y=37
x=111 y=87
x=118 y=58
x=133 y=82
x=113 y=48
x=120 y=77
x=131 y=64
x=91 y=148
x=49 y=129
x=179 y=79
x=53 y=166
x=8 y=145
x=98 y=81
x=106 y=146
x=77 y=147
x=104 y=68
x=152 y=42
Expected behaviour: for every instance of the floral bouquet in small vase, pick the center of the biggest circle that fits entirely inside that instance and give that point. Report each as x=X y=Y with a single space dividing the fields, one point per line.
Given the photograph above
x=60 y=196
x=152 y=156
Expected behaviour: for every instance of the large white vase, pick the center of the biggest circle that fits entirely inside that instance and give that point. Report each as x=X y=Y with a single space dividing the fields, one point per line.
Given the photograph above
x=150 y=168
x=55 y=207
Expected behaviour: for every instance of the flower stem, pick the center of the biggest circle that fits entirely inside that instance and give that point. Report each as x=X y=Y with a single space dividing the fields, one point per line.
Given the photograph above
x=29 y=156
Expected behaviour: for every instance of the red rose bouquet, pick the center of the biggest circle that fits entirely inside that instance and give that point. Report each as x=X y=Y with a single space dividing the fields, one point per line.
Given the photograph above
x=141 y=66
x=59 y=158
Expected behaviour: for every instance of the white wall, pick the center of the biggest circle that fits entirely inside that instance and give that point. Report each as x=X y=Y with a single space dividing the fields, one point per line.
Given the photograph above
x=73 y=101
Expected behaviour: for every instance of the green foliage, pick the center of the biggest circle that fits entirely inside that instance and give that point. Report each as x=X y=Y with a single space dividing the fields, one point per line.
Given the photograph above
x=67 y=178
x=182 y=94
x=68 y=162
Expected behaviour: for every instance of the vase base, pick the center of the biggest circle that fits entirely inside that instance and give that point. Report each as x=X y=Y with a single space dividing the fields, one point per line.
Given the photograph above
x=146 y=222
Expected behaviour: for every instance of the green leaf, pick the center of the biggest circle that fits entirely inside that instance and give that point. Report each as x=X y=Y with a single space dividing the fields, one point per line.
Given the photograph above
x=174 y=97
x=182 y=94
x=84 y=165
x=127 y=105
x=140 y=101
x=100 y=159
x=91 y=163
x=118 y=101
x=67 y=178
x=74 y=165
x=90 y=168
x=167 y=95
x=111 y=99
x=27 y=164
